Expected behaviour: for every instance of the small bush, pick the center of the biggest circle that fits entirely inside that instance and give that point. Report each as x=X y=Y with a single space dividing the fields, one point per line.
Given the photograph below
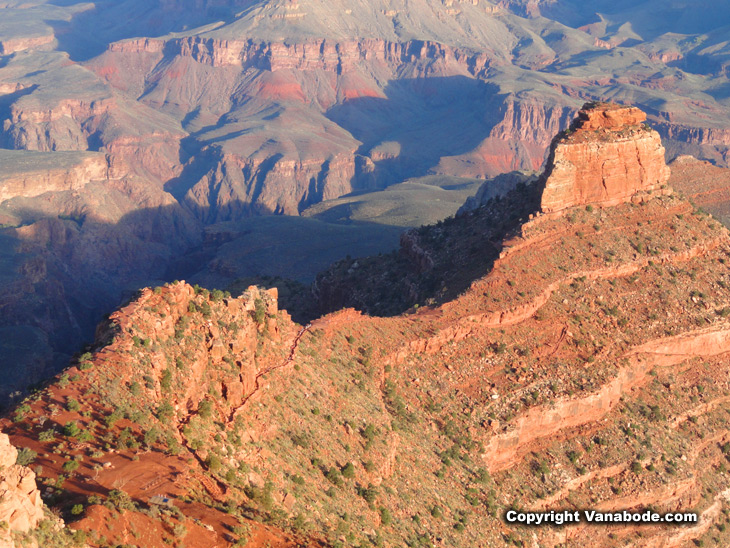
x=213 y=463
x=166 y=380
x=348 y=471
x=21 y=412
x=120 y=500
x=165 y=411
x=259 y=314
x=205 y=409
x=368 y=493
x=47 y=435
x=71 y=429
x=70 y=465
x=334 y=476
x=73 y=404
x=26 y=456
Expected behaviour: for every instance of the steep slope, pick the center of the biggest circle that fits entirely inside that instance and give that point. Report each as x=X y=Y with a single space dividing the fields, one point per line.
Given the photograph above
x=133 y=419
x=586 y=368
x=74 y=239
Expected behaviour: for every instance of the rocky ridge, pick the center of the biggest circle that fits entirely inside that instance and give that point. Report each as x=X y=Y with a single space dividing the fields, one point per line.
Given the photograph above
x=200 y=126
x=35 y=176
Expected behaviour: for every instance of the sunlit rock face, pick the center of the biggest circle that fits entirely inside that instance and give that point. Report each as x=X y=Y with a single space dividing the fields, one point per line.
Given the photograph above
x=606 y=157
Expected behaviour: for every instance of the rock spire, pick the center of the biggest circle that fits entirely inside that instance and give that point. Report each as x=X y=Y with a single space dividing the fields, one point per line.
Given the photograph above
x=607 y=156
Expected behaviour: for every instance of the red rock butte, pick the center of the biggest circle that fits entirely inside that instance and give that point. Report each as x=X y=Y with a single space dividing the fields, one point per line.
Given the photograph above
x=606 y=157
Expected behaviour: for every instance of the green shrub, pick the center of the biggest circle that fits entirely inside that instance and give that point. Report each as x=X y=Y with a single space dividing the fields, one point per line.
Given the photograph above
x=166 y=380
x=348 y=471
x=21 y=412
x=213 y=463
x=70 y=465
x=368 y=493
x=334 y=476
x=112 y=418
x=26 y=456
x=151 y=436
x=205 y=409
x=165 y=411
x=85 y=436
x=120 y=500
x=47 y=435
x=73 y=404
x=369 y=432
x=259 y=314
x=71 y=429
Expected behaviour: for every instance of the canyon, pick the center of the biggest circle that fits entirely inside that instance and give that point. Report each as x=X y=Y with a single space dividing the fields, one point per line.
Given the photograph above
x=153 y=147
x=582 y=363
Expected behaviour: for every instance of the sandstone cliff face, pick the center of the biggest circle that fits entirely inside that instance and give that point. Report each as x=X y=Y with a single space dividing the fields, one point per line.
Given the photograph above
x=13 y=45
x=21 y=508
x=239 y=187
x=605 y=158
x=33 y=178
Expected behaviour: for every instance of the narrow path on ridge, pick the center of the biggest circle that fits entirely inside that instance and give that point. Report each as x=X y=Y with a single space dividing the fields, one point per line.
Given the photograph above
x=287 y=361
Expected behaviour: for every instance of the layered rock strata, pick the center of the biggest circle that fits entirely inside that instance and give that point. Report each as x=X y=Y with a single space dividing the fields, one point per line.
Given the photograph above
x=606 y=157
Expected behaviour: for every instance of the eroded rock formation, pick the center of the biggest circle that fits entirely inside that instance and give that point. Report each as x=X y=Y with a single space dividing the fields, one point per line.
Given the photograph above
x=607 y=156
x=21 y=507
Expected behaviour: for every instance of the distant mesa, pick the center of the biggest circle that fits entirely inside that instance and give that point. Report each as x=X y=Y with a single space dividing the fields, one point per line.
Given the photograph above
x=606 y=157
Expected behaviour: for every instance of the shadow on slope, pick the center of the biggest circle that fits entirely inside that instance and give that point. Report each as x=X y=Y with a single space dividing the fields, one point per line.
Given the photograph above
x=434 y=264
x=62 y=274
x=420 y=121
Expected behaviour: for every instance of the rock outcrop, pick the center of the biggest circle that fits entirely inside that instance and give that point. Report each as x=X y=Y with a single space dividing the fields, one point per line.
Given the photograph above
x=21 y=507
x=606 y=157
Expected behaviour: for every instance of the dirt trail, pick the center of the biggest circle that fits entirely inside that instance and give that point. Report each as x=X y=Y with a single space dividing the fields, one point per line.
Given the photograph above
x=292 y=351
